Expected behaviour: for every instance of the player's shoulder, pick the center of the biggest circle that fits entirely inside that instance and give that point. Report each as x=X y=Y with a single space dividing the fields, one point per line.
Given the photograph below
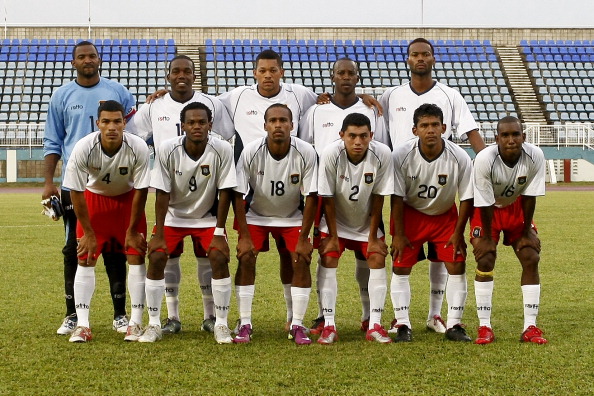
x=297 y=88
x=449 y=91
x=302 y=146
x=220 y=145
x=532 y=151
x=397 y=89
x=113 y=84
x=379 y=148
x=134 y=140
x=171 y=144
x=488 y=154
x=403 y=149
x=205 y=98
x=455 y=149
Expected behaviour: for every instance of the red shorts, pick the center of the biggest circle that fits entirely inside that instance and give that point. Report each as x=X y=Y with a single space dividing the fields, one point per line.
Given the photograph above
x=509 y=220
x=286 y=237
x=435 y=229
x=343 y=243
x=179 y=249
x=200 y=236
x=110 y=218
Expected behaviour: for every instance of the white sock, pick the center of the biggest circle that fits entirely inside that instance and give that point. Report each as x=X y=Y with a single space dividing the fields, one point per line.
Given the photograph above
x=362 y=277
x=483 y=293
x=154 y=289
x=300 y=297
x=400 y=293
x=84 y=287
x=172 y=279
x=319 y=282
x=456 y=291
x=245 y=297
x=221 y=292
x=288 y=300
x=531 y=298
x=136 y=279
x=377 y=295
x=204 y=271
x=438 y=276
x=328 y=293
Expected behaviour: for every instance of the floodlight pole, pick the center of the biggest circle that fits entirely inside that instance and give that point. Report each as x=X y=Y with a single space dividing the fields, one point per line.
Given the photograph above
x=89 y=3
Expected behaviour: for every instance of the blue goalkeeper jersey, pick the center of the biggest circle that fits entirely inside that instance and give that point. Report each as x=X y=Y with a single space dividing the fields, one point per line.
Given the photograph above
x=73 y=111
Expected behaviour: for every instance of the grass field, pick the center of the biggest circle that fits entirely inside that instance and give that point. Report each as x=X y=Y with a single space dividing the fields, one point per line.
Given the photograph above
x=34 y=360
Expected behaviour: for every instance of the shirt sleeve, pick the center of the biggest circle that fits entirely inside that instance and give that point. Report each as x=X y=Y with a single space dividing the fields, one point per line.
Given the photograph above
x=310 y=174
x=399 y=180
x=242 y=173
x=226 y=175
x=305 y=131
x=160 y=176
x=53 y=137
x=481 y=179
x=384 y=101
x=384 y=183
x=536 y=186
x=141 y=167
x=462 y=118
x=77 y=172
x=222 y=123
x=141 y=124
x=327 y=172
x=465 y=190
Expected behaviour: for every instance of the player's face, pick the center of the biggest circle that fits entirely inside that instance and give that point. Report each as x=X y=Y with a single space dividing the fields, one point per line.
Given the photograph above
x=509 y=139
x=429 y=130
x=420 y=59
x=268 y=74
x=345 y=77
x=196 y=125
x=278 y=125
x=181 y=76
x=111 y=124
x=86 y=61
x=356 y=141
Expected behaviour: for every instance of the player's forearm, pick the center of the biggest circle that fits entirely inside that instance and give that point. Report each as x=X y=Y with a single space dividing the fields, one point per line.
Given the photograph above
x=309 y=214
x=487 y=219
x=239 y=211
x=463 y=216
x=50 y=162
x=398 y=215
x=377 y=206
x=223 y=208
x=161 y=206
x=476 y=140
x=330 y=216
x=82 y=211
x=138 y=205
x=528 y=208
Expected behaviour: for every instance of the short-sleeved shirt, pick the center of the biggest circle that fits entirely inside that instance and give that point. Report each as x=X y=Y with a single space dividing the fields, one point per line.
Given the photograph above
x=277 y=185
x=399 y=104
x=352 y=185
x=321 y=124
x=497 y=184
x=72 y=114
x=193 y=184
x=430 y=186
x=247 y=107
x=92 y=169
x=161 y=118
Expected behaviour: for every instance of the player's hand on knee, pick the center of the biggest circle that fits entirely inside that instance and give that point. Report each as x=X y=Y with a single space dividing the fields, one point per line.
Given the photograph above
x=219 y=242
x=136 y=241
x=304 y=250
x=459 y=245
x=483 y=247
x=87 y=245
x=399 y=243
x=329 y=244
x=245 y=247
x=157 y=244
x=378 y=246
x=529 y=239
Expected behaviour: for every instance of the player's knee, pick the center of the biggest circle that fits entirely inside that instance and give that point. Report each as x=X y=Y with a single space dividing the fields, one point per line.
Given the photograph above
x=530 y=261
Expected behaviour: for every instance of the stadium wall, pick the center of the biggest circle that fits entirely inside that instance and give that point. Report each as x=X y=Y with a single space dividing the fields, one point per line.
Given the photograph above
x=191 y=36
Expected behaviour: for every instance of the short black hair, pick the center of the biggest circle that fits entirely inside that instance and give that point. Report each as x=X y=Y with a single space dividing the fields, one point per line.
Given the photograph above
x=182 y=57
x=269 y=54
x=508 y=120
x=355 y=119
x=280 y=105
x=427 y=109
x=346 y=58
x=83 y=43
x=420 y=40
x=195 y=106
x=110 y=105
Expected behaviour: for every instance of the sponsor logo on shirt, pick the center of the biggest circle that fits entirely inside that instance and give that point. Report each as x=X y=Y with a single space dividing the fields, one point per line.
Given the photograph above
x=412 y=177
x=261 y=173
x=343 y=177
x=163 y=118
x=401 y=108
x=251 y=112
x=328 y=125
x=178 y=172
x=77 y=107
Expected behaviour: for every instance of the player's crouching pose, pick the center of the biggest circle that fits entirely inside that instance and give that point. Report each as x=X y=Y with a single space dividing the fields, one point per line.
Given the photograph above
x=429 y=172
x=355 y=174
x=276 y=169
x=108 y=177
x=507 y=179
x=190 y=171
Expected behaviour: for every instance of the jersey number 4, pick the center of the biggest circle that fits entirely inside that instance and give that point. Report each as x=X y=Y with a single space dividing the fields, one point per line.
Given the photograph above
x=107 y=178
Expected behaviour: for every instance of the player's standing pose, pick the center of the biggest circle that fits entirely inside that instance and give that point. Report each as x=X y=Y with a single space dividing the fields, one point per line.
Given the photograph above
x=70 y=117
x=108 y=179
x=277 y=170
x=399 y=104
x=320 y=126
x=428 y=173
x=355 y=174
x=190 y=171
x=507 y=179
x=159 y=121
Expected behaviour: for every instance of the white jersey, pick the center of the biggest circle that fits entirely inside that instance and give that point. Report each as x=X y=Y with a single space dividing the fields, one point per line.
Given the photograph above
x=431 y=186
x=497 y=184
x=193 y=184
x=90 y=168
x=160 y=119
x=277 y=185
x=246 y=107
x=352 y=185
x=321 y=123
x=399 y=104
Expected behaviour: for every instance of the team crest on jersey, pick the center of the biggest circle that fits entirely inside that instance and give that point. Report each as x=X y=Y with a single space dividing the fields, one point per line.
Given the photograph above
x=294 y=179
x=205 y=170
x=123 y=170
x=442 y=179
x=521 y=180
x=368 y=178
x=476 y=232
